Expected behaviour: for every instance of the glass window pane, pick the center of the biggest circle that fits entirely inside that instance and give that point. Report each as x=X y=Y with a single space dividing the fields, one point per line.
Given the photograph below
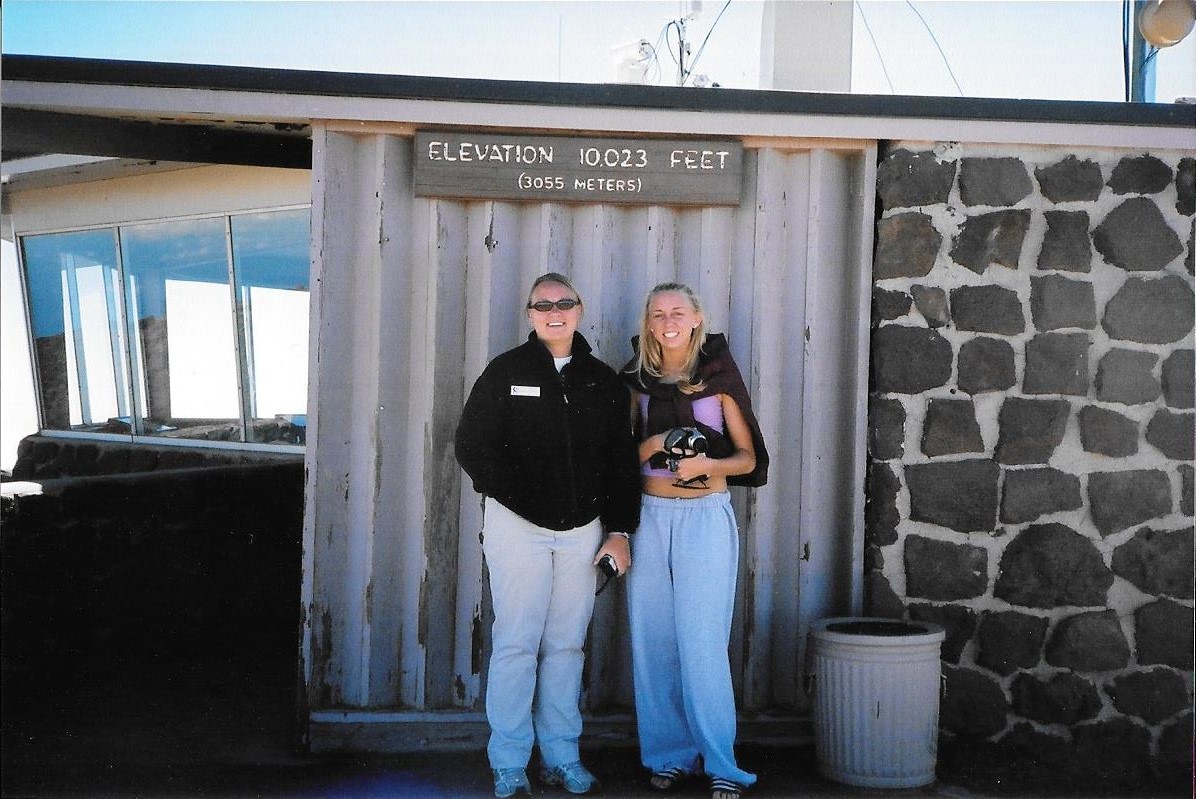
x=270 y=256
x=79 y=348
x=203 y=377
x=181 y=315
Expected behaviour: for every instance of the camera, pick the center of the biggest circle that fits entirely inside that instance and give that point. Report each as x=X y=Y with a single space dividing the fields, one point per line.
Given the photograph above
x=608 y=566
x=683 y=442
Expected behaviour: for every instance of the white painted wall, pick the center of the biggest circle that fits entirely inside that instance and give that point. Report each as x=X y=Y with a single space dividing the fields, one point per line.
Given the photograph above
x=161 y=195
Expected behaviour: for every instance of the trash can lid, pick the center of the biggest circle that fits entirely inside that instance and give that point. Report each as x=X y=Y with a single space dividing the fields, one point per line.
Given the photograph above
x=874 y=627
x=850 y=628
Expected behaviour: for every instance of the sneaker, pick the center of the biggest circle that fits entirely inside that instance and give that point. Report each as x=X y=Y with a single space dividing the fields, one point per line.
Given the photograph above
x=573 y=777
x=511 y=782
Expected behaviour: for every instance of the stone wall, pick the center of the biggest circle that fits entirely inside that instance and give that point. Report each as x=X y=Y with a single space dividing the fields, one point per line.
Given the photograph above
x=1031 y=445
x=42 y=458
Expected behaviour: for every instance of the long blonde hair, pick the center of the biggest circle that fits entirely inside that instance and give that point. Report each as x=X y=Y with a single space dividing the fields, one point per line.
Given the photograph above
x=650 y=358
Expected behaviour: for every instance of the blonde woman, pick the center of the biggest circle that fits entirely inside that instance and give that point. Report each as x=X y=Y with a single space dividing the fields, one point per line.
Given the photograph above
x=697 y=435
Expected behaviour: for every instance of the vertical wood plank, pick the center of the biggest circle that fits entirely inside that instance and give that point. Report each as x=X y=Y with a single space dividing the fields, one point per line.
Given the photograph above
x=397 y=653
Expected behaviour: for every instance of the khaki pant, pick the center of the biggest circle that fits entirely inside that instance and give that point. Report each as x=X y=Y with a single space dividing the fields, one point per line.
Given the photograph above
x=542 y=583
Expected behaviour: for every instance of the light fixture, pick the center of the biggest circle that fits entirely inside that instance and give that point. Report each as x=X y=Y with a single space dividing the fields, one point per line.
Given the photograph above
x=1166 y=22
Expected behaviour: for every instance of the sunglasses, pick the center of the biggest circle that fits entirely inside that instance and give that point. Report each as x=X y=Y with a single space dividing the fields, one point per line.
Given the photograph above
x=544 y=306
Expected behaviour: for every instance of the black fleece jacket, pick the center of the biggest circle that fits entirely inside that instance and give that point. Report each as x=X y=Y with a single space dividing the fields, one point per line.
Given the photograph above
x=555 y=448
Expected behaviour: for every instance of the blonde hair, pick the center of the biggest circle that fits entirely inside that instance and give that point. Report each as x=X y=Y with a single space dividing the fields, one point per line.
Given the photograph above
x=650 y=358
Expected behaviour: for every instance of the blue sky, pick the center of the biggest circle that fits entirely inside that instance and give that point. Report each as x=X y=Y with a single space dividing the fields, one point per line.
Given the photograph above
x=1057 y=49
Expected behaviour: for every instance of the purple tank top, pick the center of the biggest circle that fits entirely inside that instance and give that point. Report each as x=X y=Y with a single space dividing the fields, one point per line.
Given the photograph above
x=707 y=410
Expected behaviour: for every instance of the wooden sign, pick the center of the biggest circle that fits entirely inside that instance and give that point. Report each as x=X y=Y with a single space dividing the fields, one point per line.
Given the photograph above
x=574 y=169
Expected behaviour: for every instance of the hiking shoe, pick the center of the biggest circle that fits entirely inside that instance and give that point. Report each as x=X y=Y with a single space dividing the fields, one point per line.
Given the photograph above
x=511 y=782
x=573 y=777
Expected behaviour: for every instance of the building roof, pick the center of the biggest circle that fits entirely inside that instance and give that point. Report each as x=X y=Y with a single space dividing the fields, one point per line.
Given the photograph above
x=43 y=115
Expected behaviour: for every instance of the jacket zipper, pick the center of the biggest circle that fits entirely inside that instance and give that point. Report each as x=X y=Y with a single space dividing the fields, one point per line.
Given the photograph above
x=568 y=442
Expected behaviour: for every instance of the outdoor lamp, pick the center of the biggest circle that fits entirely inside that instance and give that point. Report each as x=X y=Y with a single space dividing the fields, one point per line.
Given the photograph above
x=1166 y=22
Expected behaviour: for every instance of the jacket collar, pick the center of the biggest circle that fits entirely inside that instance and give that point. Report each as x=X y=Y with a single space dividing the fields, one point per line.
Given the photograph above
x=580 y=345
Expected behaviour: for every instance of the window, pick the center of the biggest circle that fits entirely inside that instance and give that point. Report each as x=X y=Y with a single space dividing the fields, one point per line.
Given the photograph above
x=187 y=329
x=72 y=279
x=270 y=258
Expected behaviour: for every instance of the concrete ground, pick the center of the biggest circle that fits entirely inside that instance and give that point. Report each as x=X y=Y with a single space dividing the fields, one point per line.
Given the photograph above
x=198 y=732
x=226 y=729
x=206 y=731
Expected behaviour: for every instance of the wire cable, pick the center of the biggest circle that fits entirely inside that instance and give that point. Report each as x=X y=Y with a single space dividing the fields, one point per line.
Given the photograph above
x=668 y=42
x=875 y=47
x=661 y=39
x=936 y=44
x=652 y=74
x=1128 y=74
x=1126 y=58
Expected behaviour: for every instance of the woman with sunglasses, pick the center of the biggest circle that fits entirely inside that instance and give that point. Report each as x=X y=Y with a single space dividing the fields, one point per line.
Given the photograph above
x=544 y=437
x=697 y=435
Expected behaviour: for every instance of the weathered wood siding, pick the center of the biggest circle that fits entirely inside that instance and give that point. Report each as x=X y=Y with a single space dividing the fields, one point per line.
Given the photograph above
x=412 y=297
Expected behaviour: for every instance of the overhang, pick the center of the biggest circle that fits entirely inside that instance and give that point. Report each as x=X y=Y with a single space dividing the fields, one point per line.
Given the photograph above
x=249 y=115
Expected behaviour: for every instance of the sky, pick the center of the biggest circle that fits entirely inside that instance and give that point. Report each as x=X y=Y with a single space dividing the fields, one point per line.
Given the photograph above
x=1030 y=49
x=1045 y=49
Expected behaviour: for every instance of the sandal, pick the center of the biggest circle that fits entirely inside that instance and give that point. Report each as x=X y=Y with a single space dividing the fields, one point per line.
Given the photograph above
x=667 y=779
x=725 y=789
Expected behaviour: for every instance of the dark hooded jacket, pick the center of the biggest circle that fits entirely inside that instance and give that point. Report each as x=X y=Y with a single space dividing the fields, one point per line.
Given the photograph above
x=555 y=448
x=668 y=407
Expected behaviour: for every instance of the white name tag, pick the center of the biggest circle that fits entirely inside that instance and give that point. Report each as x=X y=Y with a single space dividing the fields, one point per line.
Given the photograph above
x=525 y=391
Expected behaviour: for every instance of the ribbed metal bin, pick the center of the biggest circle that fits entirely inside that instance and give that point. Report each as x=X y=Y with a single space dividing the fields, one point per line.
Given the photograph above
x=876 y=700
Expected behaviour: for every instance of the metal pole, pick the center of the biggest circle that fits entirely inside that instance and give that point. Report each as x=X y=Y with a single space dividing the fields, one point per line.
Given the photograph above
x=682 y=51
x=1142 y=60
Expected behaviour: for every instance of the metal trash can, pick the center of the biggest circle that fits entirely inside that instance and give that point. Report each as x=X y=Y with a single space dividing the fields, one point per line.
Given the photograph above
x=876 y=700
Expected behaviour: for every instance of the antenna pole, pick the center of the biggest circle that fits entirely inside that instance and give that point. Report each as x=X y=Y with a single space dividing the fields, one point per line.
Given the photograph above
x=682 y=49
